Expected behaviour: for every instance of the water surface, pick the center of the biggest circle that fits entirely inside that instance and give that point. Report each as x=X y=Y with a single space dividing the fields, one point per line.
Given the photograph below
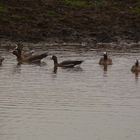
x=87 y=102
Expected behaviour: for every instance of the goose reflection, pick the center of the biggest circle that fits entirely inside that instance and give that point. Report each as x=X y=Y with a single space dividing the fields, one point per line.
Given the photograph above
x=105 y=68
x=136 y=75
x=55 y=69
x=17 y=68
x=75 y=69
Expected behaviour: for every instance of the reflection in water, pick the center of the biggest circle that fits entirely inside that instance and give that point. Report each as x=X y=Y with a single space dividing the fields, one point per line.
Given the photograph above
x=17 y=68
x=136 y=76
x=71 y=69
x=105 y=68
x=74 y=69
x=33 y=63
x=55 y=69
x=37 y=102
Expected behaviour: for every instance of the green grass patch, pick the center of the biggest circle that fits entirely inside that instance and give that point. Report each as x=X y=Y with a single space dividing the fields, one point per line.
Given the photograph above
x=52 y=13
x=17 y=17
x=136 y=10
x=86 y=3
x=100 y=3
x=3 y=9
x=77 y=3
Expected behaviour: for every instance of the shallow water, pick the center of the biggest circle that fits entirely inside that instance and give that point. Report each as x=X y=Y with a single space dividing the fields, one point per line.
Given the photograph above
x=86 y=102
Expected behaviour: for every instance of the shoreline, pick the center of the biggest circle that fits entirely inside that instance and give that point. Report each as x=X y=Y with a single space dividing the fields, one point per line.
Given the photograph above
x=70 y=21
x=122 y=44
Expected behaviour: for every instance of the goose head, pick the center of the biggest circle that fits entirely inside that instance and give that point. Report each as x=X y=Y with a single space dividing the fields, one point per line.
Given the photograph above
x=18 y=51
x=105 y=56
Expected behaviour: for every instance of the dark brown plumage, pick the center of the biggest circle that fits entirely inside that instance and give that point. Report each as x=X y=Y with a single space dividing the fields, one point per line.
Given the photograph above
x=29 y=57
x=105 y=60
x=67 y=63
x=136 y=67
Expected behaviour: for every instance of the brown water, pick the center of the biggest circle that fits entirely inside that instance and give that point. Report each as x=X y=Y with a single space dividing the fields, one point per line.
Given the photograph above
x=72 y=104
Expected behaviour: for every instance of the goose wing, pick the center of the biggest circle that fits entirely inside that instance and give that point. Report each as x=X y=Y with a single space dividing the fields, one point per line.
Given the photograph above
x=28 y=53
x=36 y=58
x=70 y=63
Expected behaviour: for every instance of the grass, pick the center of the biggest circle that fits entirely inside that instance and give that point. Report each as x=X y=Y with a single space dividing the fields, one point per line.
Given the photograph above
x=86 y=3
x=100 y=3
x=17 y=17
x=3 y=12
x=136 y=10
x=3 y=9
x=51 y=13
x=77 y=3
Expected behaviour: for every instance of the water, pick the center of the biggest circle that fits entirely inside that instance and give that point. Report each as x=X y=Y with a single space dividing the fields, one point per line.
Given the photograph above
x=72 y=104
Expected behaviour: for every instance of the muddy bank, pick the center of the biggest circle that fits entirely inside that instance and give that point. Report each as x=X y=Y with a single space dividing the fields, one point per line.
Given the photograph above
x=121 y=46
x=70 y=21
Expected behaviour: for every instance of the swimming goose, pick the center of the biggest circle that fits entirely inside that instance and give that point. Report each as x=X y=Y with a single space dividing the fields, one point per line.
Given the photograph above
x=1 y=60
x=105 y=60
x=28 y=57
x=67 y=63
x=24 y=52
x=136 y=67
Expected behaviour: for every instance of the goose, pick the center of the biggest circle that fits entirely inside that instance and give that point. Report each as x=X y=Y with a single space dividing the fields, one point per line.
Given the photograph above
x=29 y=57
x=105 y=60
x=66 y=63
x=136 y=67
x=25 y=53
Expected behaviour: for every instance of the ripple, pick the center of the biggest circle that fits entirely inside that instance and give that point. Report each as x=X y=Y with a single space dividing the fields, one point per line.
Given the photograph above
x=87 y=101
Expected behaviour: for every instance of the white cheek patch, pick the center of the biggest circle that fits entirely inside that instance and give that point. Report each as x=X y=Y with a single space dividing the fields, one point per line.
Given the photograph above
x=16 y=47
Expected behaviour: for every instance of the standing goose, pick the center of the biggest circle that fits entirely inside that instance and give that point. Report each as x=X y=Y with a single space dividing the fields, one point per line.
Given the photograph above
x=67 y=63
x=136 y=67
x=105 y=60
x=23 y=57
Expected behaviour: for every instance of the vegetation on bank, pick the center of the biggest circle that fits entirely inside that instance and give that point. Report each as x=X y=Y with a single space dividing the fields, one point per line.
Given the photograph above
x=2 y=8
x=136 y=8
x=76 y=3
x=101 y=20
x=85 y=3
